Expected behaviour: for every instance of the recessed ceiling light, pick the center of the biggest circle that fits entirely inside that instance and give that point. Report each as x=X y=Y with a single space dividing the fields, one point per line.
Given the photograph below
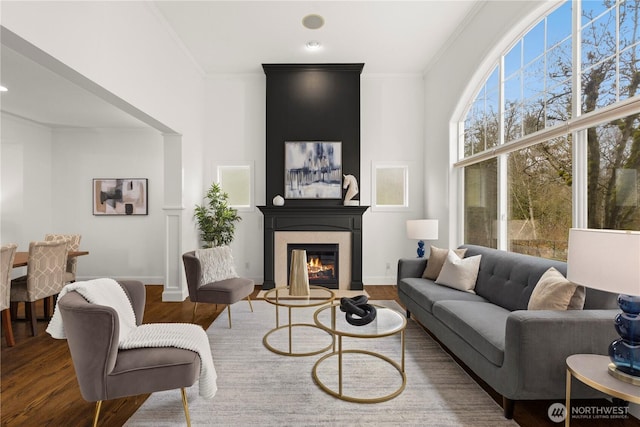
x=313 y=45
x=3 y=89
x=313 y=21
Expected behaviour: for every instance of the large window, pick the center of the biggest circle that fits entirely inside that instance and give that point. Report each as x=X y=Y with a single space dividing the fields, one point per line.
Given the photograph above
x=563 y=164
x=480 y=203
x=613 y=163
x=539 y=203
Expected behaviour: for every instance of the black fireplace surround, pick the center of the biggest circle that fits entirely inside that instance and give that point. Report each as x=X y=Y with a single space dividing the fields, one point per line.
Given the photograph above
x=312 y=102
x=320 y=218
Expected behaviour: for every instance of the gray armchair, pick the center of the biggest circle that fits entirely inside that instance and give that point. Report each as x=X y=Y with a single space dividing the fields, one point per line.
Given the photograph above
x=228 y=291
x=105 y=372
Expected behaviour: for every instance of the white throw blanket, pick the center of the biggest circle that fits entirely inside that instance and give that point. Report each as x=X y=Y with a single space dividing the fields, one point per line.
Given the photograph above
x=180 y=335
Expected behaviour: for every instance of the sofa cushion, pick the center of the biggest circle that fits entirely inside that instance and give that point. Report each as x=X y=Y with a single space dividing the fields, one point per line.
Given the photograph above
x=437 y=256
x=555 y=292
x=508 y=278
x=459 y=273
x=481 y=325
x=425 y=292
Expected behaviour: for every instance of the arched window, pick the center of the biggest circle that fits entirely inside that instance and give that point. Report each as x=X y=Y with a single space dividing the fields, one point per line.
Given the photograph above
x=551 y=139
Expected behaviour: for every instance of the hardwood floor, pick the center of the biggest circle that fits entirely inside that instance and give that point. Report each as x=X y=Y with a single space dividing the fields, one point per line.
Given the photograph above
x=38 y=385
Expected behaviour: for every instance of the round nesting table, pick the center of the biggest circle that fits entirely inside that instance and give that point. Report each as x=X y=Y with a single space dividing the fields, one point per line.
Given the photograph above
x=592 y=370
x=387 y=322
x=279 y=297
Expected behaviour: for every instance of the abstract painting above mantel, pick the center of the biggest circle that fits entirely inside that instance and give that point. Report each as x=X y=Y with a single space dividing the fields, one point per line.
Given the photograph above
x=313 y=170
x=120 y=196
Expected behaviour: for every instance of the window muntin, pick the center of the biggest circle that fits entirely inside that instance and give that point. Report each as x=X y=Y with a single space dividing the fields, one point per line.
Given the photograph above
x=613 y=151
x=482 y=121
x=481 y=203
x=539 y=203
x=538 y=95
x=537 y=72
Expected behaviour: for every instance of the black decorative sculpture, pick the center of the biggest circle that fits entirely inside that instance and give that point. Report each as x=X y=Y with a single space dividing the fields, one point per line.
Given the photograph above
x=357 y=306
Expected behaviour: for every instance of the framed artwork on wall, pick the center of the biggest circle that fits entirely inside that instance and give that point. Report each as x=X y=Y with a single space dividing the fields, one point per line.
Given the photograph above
x=120 y=196
x=390 y=189
x=236 y=179
x=313 y=170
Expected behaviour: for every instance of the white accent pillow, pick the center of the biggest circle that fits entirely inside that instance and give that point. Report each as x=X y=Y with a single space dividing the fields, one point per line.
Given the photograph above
x=216 y=263
x=459 y=273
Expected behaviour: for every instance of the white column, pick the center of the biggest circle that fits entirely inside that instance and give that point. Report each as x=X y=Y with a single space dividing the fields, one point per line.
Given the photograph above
x=175 y=289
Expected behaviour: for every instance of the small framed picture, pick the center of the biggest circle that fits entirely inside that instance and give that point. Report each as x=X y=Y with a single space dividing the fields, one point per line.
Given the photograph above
x=116 y=196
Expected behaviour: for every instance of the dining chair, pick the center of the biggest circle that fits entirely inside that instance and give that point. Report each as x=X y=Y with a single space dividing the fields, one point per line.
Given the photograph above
x=7 y=254
x=46 y=266
x=74 y=245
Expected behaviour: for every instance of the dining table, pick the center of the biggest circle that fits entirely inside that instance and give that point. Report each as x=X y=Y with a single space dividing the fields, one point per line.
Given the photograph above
x=22 y=258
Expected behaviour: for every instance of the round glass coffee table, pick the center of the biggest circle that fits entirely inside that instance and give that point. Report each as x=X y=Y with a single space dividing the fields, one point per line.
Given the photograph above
x=279 y=297
x=387 y=322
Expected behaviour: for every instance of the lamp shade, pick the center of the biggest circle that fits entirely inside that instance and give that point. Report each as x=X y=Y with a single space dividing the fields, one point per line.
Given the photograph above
x=422 y=229
x=608 y=260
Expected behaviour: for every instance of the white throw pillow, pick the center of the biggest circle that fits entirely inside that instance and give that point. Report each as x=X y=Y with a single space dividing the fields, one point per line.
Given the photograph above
x=459 y=273
x=216 y=263
x=436 y=261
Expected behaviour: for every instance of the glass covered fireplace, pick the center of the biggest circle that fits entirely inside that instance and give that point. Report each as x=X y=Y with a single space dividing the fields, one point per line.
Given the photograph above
x=322 y=263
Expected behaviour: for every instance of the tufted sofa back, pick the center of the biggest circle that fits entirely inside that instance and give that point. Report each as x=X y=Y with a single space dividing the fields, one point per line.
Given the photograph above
x=508 y=278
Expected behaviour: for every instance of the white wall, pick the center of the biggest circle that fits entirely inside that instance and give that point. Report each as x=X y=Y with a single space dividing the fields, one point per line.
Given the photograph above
x=127 y=247
x=47 y=188
x=26 y=195
x=392 y=108
x=404 y=118
x=140 y=61
x=392 y=111
x=235 y=132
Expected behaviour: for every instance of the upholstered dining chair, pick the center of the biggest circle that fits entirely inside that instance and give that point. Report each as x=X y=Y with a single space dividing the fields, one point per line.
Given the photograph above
x=7 y=254
x=104 y=371
x=74 y=245
x=227 y=291
x=45 y=277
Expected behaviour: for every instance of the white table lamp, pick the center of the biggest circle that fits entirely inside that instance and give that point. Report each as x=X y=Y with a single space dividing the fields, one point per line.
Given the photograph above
x=422 y=229
x=609 y=260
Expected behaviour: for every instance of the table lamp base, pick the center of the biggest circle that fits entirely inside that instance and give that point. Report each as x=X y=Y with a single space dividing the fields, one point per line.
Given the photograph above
x=622 y=376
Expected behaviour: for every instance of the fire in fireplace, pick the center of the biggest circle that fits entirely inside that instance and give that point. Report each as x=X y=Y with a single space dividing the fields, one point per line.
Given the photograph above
x=322 y=263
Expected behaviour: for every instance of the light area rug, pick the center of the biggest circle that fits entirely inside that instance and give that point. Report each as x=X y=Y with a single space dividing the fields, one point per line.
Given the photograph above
x=257 y=387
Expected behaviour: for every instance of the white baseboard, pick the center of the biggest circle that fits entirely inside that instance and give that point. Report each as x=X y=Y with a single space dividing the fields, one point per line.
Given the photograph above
x=147 y=280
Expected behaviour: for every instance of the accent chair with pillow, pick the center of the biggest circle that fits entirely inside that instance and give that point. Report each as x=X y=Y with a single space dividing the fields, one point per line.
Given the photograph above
x=515 y=325
x=212 y=278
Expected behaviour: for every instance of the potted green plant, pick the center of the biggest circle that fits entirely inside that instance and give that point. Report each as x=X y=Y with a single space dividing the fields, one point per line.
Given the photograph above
x=216 y=220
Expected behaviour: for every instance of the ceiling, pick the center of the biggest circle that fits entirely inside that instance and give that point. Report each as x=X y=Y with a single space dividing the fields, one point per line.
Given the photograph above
x=390 y=37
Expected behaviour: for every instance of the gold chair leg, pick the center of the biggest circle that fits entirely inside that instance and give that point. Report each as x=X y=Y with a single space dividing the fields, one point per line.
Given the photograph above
x=193 y=318
x=97 y=413
x=185 y=405
x=229 y=310
x=250 y=305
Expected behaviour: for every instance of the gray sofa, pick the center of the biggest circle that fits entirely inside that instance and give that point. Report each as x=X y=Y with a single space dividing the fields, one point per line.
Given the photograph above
x=520 y=353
